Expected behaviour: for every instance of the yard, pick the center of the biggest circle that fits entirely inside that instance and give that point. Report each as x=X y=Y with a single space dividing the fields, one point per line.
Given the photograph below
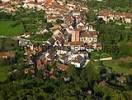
x=10 y=28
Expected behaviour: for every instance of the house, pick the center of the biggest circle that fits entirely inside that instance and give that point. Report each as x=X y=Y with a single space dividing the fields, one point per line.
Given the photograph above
x=59 y=41
x=29 y=71
x=53 y=18
x=78 y=62
x=71 y=6
x=55 y=28
x=84 y=54
x=45 y=47
x=68 y=19
x=44 y=31
x=62 y=67
x=120 y=78
x=67 y=36
x=25 y=36
x=84 y=8
x=89 y=47
x=89 y=37
x=57 y=32
x=61 y=2
x=66 y=79
x=4 y=1
x=63 y=50
x=52 y=12
x=42 y=59
x=51 y=56
x=51 y=41
x=49 y=2
x=89 y=27
x=98 y=46
x=75 y=36
x=124 y=17
x=108 y=15
x=63 y=58
x=76 y=13
x=80 y=25
x=23 y=42
x=7 y=54
x=77 y=45
x=6 y=7
x=41 y=62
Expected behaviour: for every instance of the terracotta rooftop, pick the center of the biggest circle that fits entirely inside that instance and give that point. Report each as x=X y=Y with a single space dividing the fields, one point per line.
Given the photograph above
x=76 y=43
x=60 y=39
x=88 y=34
x=7 y=54
x=108 y=13
x=124 y=14
x=78 y=59
x=105 y=13
x=62 y=67
x=84 y=34
x=92 y=33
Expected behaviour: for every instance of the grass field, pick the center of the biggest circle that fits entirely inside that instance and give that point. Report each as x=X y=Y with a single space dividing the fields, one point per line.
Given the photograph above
x=3 y=73
x=8 y=28
x=115 y=65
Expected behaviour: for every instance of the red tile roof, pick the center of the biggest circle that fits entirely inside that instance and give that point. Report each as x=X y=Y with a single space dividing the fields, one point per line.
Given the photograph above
x=62 y=67
x=116 y=14
x=7 y=54
x=105 y=13
x=76 y=43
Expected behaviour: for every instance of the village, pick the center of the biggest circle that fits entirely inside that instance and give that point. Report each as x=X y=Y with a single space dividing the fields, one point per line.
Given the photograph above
x=72 y=40
x=68 y=47
x=73 y=37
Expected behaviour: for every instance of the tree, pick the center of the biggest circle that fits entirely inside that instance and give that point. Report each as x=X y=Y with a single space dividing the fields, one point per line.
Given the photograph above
x=129 y=79
x=58 y=21
x=32 y=19
x=90 y=74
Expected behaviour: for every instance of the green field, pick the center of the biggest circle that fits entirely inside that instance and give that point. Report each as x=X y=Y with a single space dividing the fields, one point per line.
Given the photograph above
x=115 y=65
x=3 y=73
x=8 y=28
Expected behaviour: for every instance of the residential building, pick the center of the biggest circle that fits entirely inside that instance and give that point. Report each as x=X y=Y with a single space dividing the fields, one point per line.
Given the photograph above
x=89 y=37
x=78 y=62
x=108 y=15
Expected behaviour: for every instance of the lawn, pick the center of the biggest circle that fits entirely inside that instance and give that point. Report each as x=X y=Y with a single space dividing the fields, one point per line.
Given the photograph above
x=8 y=28
x=3 y=73
x=125 y=48
x=115 y=65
